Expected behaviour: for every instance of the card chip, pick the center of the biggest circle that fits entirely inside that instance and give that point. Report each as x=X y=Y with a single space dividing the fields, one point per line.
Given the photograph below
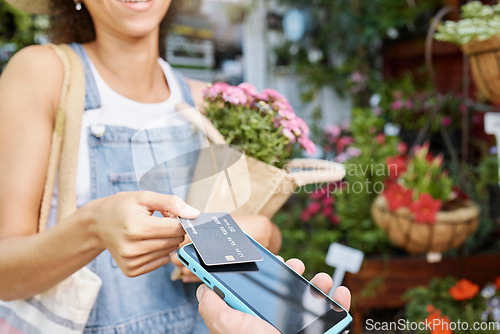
x=229 y=257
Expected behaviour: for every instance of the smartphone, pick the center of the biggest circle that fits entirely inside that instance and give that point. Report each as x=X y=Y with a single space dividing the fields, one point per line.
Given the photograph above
x=271 y=290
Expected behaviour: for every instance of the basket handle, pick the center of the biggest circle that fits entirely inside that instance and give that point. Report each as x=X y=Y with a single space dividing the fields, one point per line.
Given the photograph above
x=193 y=115
x=307 y=171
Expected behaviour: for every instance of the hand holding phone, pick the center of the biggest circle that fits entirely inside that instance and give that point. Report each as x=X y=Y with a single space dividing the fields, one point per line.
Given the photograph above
x=220 y=318
x=271 y=290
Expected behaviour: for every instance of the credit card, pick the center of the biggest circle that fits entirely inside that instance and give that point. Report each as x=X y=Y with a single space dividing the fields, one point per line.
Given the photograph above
x=219 y=240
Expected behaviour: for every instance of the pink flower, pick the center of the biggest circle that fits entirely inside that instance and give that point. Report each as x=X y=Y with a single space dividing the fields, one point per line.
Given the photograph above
x=396 y=105
x=333 y=130
x=286 y=114
x=314 y=208
x=302 y=126
x=327 y=211
x=343 y=142
x=402 y=148
x=234 y=95
x=320 y=193
x=307 y=144
x=446 y=121
x=289 y=134
x=353 y=152
x=305 y=216
x=377 y=111
x=213 y=91
x=357 y=77
x=409 y=104
x=249 y=89
x=380 y=138
x=274 y=95
x=342 y=157
x=328 y=201
x=283 y=105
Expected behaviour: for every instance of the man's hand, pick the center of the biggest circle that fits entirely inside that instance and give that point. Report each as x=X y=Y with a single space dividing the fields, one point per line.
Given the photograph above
x=222 y=319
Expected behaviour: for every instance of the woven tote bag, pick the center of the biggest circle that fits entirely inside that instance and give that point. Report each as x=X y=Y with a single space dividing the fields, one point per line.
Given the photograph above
x=63 y=309
x=225 y=179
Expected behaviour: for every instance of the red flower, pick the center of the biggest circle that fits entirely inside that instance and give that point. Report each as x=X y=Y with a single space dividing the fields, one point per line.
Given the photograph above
x=456 y=193
x=396 y=165
x=380 y=138
x=425 y=209
x=497 y=282
x=437 y=323
x=397 y=196
x=464 y=289
x=402 y=148
x=343 y=142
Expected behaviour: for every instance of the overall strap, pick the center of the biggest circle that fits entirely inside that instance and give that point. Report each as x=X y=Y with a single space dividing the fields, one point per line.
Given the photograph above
x=92 y=98
x=186 y=91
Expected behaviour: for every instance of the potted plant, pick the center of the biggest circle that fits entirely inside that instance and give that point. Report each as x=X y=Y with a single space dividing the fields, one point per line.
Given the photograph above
x=478 y=35
x=265 y=128
x=450 y=305
x=419 y=208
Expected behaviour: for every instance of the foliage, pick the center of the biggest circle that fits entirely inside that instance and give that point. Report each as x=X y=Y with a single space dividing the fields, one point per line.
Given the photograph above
x=449 y=299
x=307 y=240
x=412 y=106
x=347 y=204
x=18 y=29
x=474 y=180
x=340 y=212
x=348 y=62
x=262 y=124
x=478 y=22
x=364 y=180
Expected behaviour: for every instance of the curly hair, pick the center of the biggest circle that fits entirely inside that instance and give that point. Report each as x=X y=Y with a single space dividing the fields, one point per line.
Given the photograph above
x=71 y=26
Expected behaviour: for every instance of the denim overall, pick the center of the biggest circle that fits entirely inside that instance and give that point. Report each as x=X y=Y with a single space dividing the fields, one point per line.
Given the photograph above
x=150 y=303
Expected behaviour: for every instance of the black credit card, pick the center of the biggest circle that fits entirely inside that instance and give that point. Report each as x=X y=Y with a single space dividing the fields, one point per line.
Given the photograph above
x=219 y=240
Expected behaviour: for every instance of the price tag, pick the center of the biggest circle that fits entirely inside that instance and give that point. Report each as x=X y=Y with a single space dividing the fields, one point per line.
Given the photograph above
x=344 y=259
x=492 y=127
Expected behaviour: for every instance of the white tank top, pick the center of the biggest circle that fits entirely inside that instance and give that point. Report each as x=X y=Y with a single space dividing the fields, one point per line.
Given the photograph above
x=118 y=110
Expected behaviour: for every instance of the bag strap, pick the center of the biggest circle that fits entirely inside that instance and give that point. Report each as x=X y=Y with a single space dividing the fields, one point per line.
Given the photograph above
x=193 y=115
x=302 y=171
x=65 y=138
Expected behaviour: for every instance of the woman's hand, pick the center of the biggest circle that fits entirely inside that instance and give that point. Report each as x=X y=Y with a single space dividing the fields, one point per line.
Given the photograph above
x=222 y=319
x=138 y=241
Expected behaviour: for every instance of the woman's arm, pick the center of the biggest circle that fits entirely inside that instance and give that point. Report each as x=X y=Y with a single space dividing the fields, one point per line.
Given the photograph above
x=30 y=89
x=30 y=263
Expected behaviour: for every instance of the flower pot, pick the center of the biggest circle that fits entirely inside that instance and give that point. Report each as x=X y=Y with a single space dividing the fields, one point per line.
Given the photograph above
x=484 y=59
x=449 y=231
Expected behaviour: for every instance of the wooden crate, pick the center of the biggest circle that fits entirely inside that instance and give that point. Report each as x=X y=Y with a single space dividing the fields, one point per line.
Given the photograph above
x=380 y=284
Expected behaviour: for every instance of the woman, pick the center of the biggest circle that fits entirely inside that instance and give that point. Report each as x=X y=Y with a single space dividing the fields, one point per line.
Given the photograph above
x=113 y=232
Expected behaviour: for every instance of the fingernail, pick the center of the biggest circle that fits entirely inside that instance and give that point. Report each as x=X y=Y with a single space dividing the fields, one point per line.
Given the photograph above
x=189 y=210
x=200 y=291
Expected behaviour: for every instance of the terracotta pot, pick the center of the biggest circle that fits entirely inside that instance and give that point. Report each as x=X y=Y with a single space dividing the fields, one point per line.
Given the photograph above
x=485 y=65
x=449 y=231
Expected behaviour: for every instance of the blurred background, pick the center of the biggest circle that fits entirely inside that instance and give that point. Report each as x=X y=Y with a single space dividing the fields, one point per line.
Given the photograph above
x=373 y=84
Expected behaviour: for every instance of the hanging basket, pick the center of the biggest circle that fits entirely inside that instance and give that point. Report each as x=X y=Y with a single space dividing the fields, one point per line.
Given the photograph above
x=449 y=231
x=485 y=65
